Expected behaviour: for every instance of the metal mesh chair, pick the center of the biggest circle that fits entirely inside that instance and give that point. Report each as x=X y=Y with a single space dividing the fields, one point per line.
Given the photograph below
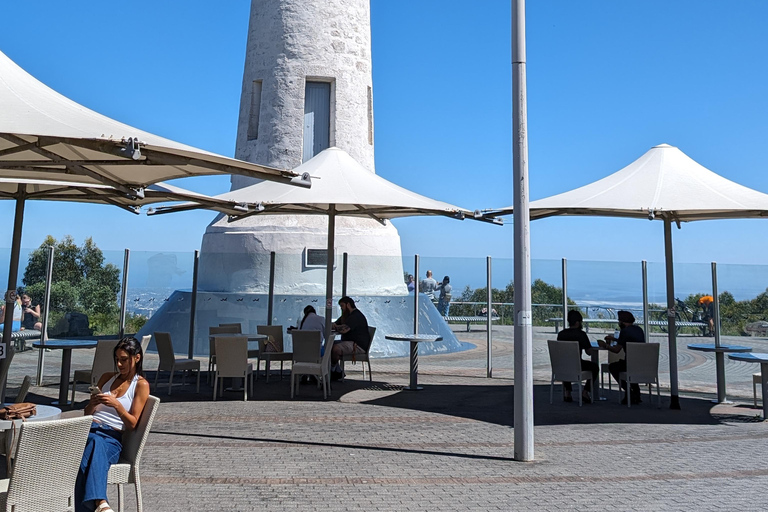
x=126 y=471
x=363 y=358
x=103 y=362
x=168 y=361
x=47 y=459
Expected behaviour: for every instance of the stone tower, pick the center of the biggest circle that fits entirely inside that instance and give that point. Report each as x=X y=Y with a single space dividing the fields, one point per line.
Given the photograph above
x=306 y=86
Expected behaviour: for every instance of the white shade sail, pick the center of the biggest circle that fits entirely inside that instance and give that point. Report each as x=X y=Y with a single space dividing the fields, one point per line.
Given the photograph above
x=337 y=179
x=664 y=181
x=44 y=135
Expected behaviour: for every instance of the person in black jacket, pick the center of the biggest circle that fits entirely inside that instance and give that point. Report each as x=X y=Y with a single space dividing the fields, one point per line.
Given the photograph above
x=628 y=333
x=355 y=338
x=574 y=332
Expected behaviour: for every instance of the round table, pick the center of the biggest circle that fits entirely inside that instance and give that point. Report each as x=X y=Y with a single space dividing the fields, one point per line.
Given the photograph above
x=66 y=361
x=44 y=412
x=720 y=351
x=762 y=359
x=414 y=339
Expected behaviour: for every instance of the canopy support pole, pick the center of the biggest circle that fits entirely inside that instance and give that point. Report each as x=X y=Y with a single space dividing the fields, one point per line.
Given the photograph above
x=271 y=297
x=329 y=276
x=523 y=346
x=124 y=293
x=193 y=306
x=46 y=306
x=10 y=296
x=671 y=327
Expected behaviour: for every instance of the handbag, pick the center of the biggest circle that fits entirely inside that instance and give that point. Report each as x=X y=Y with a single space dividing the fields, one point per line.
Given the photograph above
x=20 y=411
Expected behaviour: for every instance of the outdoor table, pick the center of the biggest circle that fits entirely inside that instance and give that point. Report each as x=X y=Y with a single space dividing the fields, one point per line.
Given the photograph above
x=44 y=412
x=761 y=358
x=720 y=352
x=414 y=339
x=66 y=360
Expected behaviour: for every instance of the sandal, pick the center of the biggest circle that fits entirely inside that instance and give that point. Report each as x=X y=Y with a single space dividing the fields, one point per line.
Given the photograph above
x=104 y=507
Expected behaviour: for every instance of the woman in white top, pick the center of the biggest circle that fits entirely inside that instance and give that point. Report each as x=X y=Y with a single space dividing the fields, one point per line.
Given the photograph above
x=313 y=322
x=116 y=409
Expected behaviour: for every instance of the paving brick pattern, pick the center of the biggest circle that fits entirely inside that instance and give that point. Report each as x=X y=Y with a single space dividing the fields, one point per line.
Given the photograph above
x=374 y=446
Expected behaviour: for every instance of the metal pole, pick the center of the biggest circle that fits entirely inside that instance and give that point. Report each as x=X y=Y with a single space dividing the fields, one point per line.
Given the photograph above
x=645 y=301
x=416 y=295
x=489 y=320
x=565 y=293
x=46 y=309
x=671 y=327
x=328 y=273
x=271 y=299
x=719 y=356
x=10 y=296
x=344 y=262
x=523 y=347
x=124 y=293
x=193 y=306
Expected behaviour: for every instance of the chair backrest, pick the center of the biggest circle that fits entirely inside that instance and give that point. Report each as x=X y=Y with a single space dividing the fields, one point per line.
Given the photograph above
x=565 y=358
x=231 y=356
x=326 y=360
x=372 y=333
x=24 y=389
x=46 y=463
x=306 y=346
x=237 y=328
x=145 y=343
x=134 y=440
x=164 y=347
x=642 y=361
x=224 y=329
x=103 y=359
x=276 y=331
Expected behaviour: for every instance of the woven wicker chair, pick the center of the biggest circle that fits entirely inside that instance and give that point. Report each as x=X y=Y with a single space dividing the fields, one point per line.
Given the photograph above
x=126 y=471
x=363 y=358
x=232 y=361
x=41 y=481
x=103 y=362
x=221 y=329
x=276 y=331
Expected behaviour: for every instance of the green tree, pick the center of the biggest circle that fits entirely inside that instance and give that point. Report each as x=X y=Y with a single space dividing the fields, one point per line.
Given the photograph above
x=82 y=282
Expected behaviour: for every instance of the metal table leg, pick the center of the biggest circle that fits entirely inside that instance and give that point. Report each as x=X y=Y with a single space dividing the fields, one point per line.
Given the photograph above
x=66 y=363
x=414 y=386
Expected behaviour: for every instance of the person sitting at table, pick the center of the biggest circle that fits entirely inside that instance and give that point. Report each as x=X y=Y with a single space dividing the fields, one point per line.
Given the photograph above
x=31 y=315
x=355 y=338
x=313 y=322
x=628 y=333
x=575 y=332
x=115 y=410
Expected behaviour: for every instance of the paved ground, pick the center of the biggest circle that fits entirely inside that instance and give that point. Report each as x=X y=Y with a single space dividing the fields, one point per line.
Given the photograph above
x=449 y=447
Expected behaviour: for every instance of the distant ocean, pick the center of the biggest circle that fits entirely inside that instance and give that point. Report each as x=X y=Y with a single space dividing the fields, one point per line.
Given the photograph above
x=154 y=276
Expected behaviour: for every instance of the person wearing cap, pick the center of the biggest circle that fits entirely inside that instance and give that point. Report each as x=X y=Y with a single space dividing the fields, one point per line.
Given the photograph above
x=628 y=333
x=444 y=303
x=707 y=306
x=575 y=332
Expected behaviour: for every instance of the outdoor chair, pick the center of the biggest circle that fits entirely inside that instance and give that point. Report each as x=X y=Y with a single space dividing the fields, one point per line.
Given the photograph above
x=126 y=471
x=238 y=327
x=363 y=358
x=103 y=362
x=6 y=436
x=321 y=370
x=169 y=363
x=757 y=379
x=145 y=343
x=24 y=389
x=306 y=349
x=221 y=329
x=565 y=358
x=642 y=368
x=232 y=361
x=47 y=459
x=277 y=353
x=605 y=367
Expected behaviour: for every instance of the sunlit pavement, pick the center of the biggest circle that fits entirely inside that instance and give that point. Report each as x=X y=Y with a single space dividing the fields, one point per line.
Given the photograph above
x=374 y=446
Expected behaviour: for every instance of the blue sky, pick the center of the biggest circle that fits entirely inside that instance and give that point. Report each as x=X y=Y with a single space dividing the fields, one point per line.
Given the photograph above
x=606 y=81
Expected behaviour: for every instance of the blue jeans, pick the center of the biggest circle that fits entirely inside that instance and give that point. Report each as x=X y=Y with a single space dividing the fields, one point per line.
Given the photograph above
x=443 y=308
x=101 y=451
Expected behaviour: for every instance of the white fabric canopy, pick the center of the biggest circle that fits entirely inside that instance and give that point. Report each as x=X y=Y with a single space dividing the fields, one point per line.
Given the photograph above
x=664 y=181
x=44 y=135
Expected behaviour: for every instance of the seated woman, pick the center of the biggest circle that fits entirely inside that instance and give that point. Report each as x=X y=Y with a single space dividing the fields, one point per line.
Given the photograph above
x=313 y=322
x=31 y=318
x=116 y=409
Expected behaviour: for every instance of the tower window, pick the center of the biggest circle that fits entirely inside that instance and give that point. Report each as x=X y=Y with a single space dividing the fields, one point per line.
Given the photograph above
x=317 y=118
x=253 y=118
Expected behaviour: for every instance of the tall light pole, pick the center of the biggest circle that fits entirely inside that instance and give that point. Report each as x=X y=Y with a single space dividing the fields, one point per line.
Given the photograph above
x=522 y=255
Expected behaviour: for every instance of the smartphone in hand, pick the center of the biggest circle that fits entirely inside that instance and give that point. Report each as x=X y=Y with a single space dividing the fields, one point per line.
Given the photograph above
x=94 y=390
